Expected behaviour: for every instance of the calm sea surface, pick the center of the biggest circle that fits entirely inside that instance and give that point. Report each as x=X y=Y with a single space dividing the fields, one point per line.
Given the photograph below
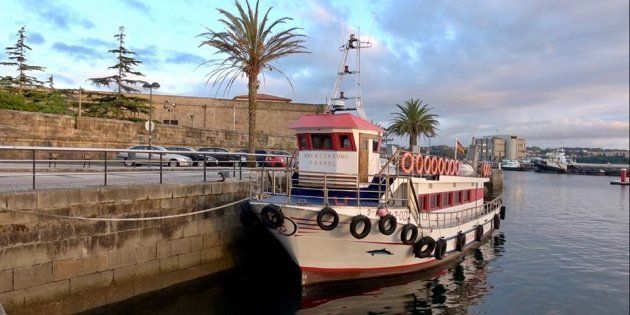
x=563 y=249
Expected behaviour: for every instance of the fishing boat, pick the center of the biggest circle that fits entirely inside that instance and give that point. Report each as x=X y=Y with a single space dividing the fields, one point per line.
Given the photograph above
x=554 y=162
x=343 y=215
x=510 y=165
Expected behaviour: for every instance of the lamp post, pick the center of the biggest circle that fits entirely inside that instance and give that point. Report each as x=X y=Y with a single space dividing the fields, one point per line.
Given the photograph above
x=151 y=86
x=169 y=106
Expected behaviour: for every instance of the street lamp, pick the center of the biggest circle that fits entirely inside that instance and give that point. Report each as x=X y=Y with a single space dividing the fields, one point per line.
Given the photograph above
x=169 y=106
x=151 y=86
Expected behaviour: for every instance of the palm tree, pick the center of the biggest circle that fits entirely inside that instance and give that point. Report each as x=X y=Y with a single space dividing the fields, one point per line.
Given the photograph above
x=414 y=120
x=250 y=45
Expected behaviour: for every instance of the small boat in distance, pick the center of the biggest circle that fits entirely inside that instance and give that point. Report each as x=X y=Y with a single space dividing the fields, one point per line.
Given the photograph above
x=343 y=215
x=510 y=165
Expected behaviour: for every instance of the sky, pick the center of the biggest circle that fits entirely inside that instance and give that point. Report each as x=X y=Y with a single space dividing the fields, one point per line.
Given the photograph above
x=553 y=72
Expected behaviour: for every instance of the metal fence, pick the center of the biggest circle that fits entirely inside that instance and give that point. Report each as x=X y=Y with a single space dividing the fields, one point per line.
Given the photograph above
x=38 y=161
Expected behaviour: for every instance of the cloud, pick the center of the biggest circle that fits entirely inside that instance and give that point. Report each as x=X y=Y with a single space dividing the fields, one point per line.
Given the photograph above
x=139 y=6
x=77 y=52
x=36 y=38
x=179 y=57
x=57 y=14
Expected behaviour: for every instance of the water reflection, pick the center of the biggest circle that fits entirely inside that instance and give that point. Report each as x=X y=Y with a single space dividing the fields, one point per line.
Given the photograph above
x=448 y=290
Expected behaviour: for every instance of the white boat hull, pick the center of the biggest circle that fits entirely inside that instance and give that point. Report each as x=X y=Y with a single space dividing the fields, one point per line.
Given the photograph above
x=325 y=256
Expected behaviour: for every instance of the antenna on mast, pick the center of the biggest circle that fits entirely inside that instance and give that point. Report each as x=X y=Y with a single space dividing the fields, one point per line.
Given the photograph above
x=338 y=100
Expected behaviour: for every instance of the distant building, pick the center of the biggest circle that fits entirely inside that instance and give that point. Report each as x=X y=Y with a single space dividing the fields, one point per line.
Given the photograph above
x=499 y=147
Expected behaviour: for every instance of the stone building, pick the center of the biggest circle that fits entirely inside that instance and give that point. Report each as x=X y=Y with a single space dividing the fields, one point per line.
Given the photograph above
x=499 y=147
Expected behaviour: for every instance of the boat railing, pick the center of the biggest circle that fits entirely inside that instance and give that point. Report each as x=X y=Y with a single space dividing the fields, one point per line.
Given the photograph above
x=347 y=188
x=446 y=219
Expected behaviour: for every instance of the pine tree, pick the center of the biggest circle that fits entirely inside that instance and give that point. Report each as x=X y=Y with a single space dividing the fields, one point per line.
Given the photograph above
x=17 y=57
x=50 y=82
x=119 y=104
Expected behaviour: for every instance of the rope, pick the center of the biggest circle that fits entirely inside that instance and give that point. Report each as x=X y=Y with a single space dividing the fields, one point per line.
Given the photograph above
x=125 y=219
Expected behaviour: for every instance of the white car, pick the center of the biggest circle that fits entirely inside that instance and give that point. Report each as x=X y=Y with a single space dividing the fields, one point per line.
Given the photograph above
x=139 y=158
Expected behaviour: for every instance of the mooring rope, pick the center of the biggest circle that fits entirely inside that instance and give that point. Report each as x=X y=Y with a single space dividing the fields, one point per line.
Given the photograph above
x=125 y=219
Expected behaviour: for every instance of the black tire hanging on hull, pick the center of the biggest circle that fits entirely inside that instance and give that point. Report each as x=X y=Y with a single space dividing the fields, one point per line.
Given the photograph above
x=502 y=213
x=327 y=211
x=440 y=249
x=407 y=239
x=496 y=222
x=460 y=242
x=479 y=233
x=427 y=241
x=367 y=226
x=382 y=224
x=272 y=216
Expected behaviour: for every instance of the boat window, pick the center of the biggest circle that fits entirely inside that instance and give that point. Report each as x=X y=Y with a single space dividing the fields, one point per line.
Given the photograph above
x=376 y=143
x=303 y=141
x=321 y=141
x=421 y=205
x=344 y=142
x=433 y=201
x=456 y=198
x=446 y=200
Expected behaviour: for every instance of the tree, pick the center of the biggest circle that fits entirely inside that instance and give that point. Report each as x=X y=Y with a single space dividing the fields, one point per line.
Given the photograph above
x=413 y=120
x=17 y=57
x=51 y=82
x=118 y=104
x=249 y=45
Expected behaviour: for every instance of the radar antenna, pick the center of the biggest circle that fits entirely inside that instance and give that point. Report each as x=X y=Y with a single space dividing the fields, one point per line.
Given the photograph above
x=338 y=100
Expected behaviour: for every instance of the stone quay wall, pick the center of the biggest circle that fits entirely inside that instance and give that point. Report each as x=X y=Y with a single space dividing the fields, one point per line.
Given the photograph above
x=38 y=129
x=50 y=265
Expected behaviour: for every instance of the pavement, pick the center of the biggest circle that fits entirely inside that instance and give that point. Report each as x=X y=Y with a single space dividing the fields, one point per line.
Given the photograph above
x=19 y=179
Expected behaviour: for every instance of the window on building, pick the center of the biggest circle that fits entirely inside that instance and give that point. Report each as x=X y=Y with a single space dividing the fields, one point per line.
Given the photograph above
x=322 y=141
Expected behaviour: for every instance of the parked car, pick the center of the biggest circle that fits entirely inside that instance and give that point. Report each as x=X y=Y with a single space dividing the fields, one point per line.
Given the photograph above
x=139 y=158
x=286 y=156
x=270 y=161
x=198 y=159
x=224 y=156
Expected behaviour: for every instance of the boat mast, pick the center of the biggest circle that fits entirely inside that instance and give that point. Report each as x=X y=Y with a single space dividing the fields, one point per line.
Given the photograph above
x=338 y=100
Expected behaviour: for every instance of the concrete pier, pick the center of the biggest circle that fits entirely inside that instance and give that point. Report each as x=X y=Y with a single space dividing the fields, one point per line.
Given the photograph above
x=51 y=265
x=494 y=187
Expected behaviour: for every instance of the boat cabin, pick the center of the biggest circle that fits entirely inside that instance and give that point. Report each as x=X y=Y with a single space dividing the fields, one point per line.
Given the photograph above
x=337 y=144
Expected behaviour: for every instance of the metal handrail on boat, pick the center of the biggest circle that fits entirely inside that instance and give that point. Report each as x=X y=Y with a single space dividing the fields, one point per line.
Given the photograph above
x=445 y=219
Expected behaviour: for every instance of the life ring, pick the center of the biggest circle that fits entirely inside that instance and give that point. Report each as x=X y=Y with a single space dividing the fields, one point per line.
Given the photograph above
x=455 y=168
x=460 y=241
x=247 y=216
x=496 y=222
x=367 y=226
x=428 y=243
x=442 y=169
x=419 y=164
x=489 y=170
x=403 y=165
x=479 y=233
x=387 y=224
x=502 y=213
x=427 y=165
x=440 y=249
x=272 y=216
x=451 y=167
x=405 y=238
x=327 y=211
x=435 y=167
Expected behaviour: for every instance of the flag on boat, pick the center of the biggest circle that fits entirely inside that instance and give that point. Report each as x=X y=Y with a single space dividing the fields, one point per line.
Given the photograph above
x=459 y=147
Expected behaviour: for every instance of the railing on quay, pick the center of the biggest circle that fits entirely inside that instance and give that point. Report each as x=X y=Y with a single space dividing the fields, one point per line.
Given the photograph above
x=159 y=157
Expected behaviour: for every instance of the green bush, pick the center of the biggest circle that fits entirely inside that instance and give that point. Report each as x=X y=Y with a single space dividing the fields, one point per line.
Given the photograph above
x=34 y=101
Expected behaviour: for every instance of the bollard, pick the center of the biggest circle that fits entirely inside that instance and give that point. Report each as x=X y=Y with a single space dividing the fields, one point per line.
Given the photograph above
x=624 y=175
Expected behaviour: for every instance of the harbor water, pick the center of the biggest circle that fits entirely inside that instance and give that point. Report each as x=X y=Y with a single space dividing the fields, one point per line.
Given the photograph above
x=562 y=249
